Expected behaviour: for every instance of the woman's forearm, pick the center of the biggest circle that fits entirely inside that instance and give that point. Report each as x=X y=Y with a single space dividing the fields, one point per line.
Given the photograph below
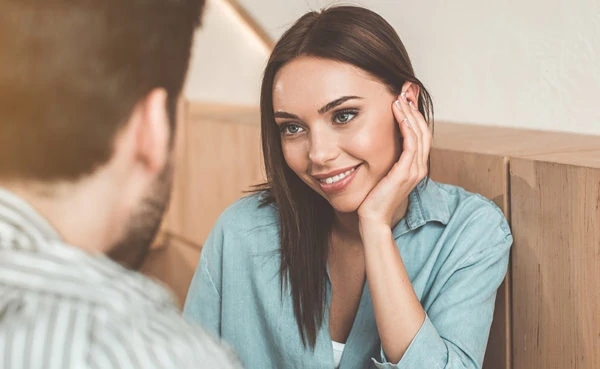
x=398 y=312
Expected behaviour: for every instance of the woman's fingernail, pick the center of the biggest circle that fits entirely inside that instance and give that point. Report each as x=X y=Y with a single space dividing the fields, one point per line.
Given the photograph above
x=397 y=103
x=403 y=96
x=413 y=106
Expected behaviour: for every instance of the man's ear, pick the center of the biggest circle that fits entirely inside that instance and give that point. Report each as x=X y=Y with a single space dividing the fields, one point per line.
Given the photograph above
x=411 y=91
x=153 y=130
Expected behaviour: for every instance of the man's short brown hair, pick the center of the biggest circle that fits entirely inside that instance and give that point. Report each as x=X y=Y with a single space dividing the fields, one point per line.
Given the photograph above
x=71 y=72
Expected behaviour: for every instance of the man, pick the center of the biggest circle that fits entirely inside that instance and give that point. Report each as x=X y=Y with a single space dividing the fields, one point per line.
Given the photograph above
x=88 y=90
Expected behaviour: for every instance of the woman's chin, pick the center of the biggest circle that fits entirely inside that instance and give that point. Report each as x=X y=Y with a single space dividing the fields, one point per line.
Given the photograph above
x=347 y=201
x=345 y=206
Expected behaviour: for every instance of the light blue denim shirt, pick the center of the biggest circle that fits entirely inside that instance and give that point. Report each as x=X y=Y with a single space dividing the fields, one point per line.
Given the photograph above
x=454 y=244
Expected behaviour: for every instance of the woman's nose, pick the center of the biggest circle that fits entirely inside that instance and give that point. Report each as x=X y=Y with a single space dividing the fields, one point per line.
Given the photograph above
x=323 y=147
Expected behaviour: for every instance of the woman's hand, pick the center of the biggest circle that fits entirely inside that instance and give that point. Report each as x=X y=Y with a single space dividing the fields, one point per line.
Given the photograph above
x=381 y=204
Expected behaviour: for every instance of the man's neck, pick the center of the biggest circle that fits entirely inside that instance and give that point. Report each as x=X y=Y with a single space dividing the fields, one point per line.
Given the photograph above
x=80 y=220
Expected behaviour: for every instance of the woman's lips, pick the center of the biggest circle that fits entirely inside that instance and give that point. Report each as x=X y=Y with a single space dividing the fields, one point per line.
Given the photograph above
x=339 y=181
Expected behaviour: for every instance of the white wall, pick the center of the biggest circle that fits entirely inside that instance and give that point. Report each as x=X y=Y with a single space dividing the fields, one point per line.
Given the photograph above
x=529 y=63
x=227 y=60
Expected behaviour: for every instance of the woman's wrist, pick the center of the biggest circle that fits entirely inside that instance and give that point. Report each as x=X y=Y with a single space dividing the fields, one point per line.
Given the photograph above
x=374 y=231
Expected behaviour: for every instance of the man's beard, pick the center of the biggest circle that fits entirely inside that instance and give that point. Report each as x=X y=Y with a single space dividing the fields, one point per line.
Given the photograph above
x=133 y=248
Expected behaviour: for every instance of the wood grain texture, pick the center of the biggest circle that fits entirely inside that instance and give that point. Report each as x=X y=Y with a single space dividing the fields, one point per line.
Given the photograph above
x=174 y=264
x=223 y=159
x=217 y=158
x=559 y=147
x=556 y=265
x=483 y=174
x=488 y=176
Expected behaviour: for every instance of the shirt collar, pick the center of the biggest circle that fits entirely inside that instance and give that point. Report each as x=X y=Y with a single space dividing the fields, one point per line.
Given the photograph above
x=16 y=210
x=113 y=284
x=426 y=203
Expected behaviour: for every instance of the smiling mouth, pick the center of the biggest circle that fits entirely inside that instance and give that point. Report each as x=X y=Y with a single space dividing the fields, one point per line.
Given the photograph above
x=337 y=177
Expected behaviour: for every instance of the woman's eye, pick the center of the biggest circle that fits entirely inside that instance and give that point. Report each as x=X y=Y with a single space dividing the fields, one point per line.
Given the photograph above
x=291 y=129
x=344 y=116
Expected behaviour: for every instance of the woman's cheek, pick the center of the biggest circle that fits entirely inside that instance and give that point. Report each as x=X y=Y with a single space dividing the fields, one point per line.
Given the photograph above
x=292 y=157
x=374 y=145
x=360 y=142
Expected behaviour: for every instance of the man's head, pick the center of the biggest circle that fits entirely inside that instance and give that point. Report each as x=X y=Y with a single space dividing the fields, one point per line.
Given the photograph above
x=88 y=94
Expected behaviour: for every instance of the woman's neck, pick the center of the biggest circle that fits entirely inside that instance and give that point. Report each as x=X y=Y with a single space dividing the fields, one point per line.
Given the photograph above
x=345 y=225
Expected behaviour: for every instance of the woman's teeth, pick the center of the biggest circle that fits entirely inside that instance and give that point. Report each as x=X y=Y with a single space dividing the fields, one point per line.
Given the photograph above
x=337 y=177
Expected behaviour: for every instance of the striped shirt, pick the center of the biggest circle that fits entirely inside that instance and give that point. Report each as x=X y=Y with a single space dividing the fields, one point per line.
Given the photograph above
x=63 y=308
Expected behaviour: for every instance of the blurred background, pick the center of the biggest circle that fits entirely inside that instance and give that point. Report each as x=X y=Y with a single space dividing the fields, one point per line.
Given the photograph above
x=527 y=64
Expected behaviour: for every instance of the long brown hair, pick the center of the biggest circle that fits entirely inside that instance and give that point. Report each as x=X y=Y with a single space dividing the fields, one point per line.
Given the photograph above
x=348 y=34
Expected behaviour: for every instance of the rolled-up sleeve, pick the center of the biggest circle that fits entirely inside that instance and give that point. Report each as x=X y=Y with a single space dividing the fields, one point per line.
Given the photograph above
x=414 y=357
x=455 y=332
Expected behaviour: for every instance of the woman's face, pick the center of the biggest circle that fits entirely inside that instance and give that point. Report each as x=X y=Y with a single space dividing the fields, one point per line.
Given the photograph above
x=338 y=132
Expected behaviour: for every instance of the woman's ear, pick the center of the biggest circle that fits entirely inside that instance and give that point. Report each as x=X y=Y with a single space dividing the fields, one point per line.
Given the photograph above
x=411 y=91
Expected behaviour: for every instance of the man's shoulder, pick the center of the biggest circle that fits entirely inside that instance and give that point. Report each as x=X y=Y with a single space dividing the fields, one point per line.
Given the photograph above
x=80 y=333
x=154 y=328
x=167 y=337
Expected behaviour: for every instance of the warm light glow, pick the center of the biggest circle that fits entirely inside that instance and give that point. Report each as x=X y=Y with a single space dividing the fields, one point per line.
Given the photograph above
x=233 y=12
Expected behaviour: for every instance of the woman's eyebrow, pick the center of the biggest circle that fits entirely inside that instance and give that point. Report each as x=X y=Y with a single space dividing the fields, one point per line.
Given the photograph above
x=336 y=102
x=283 y=114
x=323 y=110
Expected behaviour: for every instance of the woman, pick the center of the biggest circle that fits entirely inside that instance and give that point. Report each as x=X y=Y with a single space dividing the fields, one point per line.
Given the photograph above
x=349 y=256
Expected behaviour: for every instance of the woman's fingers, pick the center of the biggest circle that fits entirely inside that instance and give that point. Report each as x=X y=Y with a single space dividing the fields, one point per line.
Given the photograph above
x=426 y=137
x=407 y=163
x=423 y=132
x=413 y=119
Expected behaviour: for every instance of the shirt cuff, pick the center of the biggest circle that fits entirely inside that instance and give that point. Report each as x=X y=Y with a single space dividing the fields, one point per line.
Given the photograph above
x=427 y=350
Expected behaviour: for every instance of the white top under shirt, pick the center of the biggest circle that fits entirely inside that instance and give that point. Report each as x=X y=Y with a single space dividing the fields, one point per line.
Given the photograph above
x=338 y=349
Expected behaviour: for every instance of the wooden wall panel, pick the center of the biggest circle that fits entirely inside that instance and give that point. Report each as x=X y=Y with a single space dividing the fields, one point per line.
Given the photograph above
x=173 y=262
x=559 y=147
x=556 y=265
x=483 y=174
x=218 y=158
x=486 y=175
x=223 y=160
